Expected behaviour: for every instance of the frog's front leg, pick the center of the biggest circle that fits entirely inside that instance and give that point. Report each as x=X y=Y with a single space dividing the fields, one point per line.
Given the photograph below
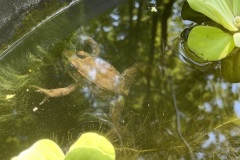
x=93 y=44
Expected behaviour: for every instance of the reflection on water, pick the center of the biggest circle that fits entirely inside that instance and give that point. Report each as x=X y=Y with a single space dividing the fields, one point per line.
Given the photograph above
x=172 y=111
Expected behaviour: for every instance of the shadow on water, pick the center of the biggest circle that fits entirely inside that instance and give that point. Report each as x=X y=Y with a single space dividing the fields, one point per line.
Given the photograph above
x=175 y=109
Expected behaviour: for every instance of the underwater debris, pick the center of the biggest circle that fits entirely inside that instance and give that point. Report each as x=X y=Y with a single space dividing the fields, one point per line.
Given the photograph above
x=10 y=96
x=35 y=109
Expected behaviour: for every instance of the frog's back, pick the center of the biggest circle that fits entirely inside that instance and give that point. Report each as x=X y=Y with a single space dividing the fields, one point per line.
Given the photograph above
x=100 y=72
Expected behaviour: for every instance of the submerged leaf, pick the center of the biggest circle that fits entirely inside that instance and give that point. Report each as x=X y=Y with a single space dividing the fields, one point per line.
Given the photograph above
x=230 y=67
x=210 y=43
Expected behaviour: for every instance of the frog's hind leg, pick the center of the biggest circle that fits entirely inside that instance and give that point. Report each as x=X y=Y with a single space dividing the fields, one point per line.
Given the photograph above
x=129 y=76
x=59 y=92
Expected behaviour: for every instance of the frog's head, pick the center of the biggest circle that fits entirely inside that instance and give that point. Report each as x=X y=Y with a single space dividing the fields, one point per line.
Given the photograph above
x=68 y=56
x=71 y=55
x=73 y=60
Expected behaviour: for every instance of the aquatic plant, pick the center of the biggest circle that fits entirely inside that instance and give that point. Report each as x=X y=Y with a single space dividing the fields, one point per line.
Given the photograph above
x=214 y=41
x=88 y=146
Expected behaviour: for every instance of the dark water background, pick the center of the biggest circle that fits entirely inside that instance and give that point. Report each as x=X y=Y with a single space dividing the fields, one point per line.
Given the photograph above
x=176 y=109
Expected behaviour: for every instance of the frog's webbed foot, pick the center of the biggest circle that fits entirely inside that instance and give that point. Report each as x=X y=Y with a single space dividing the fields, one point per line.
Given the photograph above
x=93 y=44
x=129 y=76
x=44 y=100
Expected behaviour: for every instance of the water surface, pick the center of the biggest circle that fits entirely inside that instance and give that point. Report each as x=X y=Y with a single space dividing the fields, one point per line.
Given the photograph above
x=174 y=110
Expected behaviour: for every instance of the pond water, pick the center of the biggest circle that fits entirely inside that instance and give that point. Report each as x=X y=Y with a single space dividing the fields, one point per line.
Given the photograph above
x=175 y=109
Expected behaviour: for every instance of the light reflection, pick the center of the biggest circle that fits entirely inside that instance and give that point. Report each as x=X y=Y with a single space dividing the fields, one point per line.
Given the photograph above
x=221 y=138
x=237 y=108
x=136 y=4
x=121 y=37
x=116 y=23
x=210 y=141
x=92 y=74
x=224 y=86
x=86 y=92
x=134 y=18
x=200 y=155
x=115 y=16
x=235 y=88
x=107 y=29
x=206 y=107
x=219 y=102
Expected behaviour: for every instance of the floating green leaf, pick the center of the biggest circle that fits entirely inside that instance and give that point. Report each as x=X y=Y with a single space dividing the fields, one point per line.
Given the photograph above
x=91 y=146
x=41 y=150
x=87 y=153
x=188 y=13
x=236 y=38
x=210 y=43
x=217 y=10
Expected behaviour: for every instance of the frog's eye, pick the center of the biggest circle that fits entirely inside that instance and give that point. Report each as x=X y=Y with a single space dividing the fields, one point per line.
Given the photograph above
x=71 y=67
x=82 y=54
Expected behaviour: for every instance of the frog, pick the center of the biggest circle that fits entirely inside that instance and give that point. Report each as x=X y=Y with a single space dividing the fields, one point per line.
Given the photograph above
x=91 y=67
x=95 y=69
x=99 y=72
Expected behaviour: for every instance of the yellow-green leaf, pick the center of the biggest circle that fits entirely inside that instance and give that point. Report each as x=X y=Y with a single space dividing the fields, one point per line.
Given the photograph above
x=217 y=10
x=91 y=146
x=42 y=150
x=210 y=43
x=236 y=38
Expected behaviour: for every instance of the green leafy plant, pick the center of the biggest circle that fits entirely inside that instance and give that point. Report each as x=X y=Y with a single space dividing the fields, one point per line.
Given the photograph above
x=213 y=42
x=88 y=146
x=91 y=146
x=42 y=150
